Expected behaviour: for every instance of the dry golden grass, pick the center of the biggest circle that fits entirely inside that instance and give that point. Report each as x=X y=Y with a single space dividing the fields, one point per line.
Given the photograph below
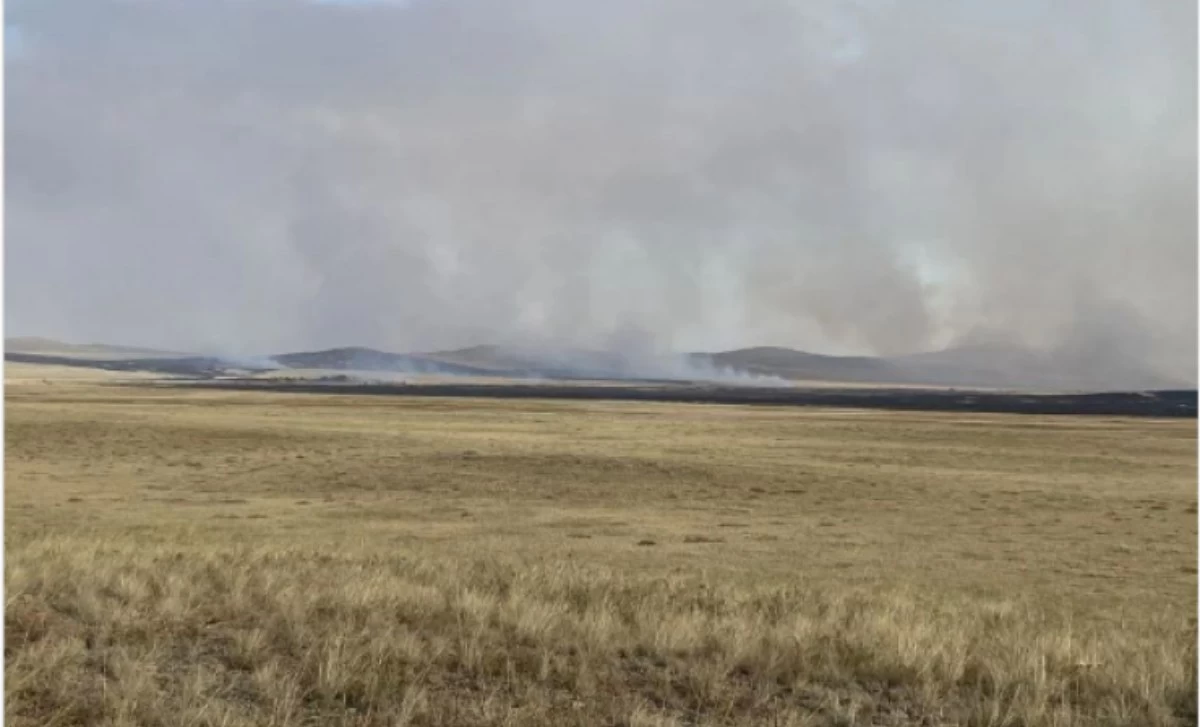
x=212 y=558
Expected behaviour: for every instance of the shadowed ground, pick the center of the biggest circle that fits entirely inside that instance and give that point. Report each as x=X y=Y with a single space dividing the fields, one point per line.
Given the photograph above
x=1148 y=404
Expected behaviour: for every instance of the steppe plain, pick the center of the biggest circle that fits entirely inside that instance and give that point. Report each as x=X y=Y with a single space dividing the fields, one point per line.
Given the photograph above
x=200 y=557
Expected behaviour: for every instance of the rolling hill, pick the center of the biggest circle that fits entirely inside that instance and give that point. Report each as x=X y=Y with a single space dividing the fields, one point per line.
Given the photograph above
x=975 y=366
x=36 y=345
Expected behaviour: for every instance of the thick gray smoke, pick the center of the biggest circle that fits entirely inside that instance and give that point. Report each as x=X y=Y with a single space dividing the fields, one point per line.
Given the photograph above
x=252 y=176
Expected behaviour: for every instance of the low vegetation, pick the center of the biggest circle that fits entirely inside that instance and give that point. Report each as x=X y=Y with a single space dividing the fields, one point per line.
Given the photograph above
x=253 y=559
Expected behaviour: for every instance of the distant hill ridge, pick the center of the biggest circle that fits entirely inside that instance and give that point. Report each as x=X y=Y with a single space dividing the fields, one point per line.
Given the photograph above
x=972 y=366
x=980 y=366
x=358 y=358
x=51 y=347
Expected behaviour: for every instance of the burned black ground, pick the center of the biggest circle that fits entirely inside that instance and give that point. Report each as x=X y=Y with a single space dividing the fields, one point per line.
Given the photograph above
x=1180 y=403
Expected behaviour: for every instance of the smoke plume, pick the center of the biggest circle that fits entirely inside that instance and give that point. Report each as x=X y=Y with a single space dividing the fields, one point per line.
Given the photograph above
x=254 y=176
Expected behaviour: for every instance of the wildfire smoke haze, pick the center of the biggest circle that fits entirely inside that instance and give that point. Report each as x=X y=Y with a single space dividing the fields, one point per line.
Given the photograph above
x=868 y=178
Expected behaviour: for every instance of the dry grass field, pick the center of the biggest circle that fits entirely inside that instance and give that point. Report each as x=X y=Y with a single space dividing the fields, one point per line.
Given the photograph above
x=217 y=558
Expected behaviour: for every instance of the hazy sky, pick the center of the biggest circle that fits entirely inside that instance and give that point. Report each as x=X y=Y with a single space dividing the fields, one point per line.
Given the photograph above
x=259 y=175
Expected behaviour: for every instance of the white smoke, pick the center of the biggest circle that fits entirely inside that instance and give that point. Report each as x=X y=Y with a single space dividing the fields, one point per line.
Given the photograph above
x=864 y=177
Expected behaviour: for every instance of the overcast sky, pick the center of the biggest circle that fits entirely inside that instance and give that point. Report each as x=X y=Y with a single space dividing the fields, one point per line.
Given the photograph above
x=874 y=177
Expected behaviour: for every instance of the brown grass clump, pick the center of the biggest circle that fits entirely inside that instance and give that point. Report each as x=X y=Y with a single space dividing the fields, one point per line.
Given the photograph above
x=241 y=559
x=212 y=635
